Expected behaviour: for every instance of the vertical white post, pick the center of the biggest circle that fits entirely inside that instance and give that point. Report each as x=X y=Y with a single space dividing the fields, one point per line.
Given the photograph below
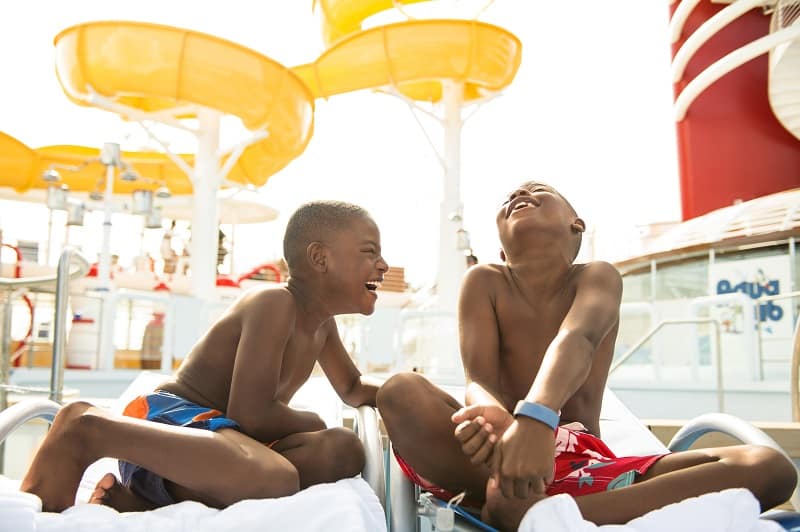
x=104 y=265
x=49 y=243
x=110 y=157
x=452 y=262
x=205 y=181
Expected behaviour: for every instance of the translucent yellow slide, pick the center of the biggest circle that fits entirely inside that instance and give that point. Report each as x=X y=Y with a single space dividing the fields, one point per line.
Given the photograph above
x=154 y=68
x=413 y=56
x=21 y=168
x=173 y=72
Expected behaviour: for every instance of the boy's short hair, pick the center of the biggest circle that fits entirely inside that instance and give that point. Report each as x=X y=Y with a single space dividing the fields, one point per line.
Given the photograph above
x=530 y=185
x=312 y=221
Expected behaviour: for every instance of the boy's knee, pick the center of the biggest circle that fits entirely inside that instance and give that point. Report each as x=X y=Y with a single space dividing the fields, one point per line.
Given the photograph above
x=396 y=391
x=281 y=480
x=778 y=469
x=774 y=474
x=345 y=451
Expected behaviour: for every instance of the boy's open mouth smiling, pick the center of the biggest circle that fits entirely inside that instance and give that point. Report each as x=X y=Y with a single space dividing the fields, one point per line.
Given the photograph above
x=520 y=203
x=373 y=285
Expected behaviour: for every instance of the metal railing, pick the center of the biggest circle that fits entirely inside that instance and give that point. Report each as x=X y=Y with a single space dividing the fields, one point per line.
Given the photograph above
x=652 y=332
x=758 y=302
x=9 y=287
x=69 y=258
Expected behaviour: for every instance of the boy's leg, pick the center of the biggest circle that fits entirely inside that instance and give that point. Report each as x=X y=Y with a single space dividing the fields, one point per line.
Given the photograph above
x=764 y=471
x=221 y=467
x=417 y=416
x=323 y=456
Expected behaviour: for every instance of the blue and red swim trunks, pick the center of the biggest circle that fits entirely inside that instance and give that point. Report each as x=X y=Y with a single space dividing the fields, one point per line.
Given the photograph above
x=167 y=408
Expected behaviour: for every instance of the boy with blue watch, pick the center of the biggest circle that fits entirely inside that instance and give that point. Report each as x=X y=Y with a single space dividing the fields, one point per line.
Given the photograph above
x=537 y=337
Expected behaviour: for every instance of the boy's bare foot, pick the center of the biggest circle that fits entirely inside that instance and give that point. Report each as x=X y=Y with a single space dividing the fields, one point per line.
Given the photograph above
x=59 y=463
x=109 y=492
x=505 y=513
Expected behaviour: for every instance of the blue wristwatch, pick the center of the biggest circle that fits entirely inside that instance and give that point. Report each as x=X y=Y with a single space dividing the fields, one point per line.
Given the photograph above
x=538 y=412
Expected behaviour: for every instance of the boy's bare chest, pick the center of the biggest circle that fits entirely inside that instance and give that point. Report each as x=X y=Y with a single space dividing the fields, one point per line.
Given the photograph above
x=526 y=330
x=298 y=361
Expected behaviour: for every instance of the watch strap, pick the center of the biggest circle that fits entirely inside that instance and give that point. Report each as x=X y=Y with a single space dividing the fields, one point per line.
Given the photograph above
x=537 y=411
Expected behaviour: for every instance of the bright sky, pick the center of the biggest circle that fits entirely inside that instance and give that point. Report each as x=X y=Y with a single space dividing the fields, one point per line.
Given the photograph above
x=589 y=112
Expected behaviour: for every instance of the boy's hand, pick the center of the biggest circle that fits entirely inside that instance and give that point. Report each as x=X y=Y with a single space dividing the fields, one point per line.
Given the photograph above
x=479 y=427
x=524 y=458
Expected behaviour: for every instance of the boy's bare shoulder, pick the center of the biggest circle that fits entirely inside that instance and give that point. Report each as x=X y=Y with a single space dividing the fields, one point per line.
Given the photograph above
x=483 y=273
x=267 y=299
x=482 y=279
x=597 y=277
x=597 y=271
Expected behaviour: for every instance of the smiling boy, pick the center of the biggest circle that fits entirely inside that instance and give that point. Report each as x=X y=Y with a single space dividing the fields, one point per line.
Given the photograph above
x=537 y=337
x=221 y=430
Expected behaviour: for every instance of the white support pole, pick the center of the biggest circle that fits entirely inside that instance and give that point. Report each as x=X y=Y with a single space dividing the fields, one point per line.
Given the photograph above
x=205 y=181
x=49 y=242
x=452 y=262
x=110 y=158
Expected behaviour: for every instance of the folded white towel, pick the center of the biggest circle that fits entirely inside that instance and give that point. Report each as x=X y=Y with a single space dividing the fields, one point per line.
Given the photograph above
x=733 y=510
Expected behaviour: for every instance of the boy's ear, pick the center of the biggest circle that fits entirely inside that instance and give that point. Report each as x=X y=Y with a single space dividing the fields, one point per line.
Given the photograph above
x=317 y=256
x=578 y=225
x=502 y=255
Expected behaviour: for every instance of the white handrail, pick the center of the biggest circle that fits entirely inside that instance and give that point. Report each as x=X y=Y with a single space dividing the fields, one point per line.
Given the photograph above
x=368 y=431
x=730 y=62
x=615 y=364
x=679 y=18
x=732 y=426
x=749 y=320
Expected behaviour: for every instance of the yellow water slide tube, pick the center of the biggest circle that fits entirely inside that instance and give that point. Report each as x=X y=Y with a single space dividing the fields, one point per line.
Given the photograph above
x=153 y=68
x=21 y=168
x=413 y=56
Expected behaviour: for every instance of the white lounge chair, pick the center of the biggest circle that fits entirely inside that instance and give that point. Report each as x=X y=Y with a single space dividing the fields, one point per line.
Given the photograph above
x=350 y=504
x=408 y=509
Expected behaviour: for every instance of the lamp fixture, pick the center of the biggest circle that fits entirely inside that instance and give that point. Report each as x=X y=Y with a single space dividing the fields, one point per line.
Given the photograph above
x=57 y=197
x=51 y=175
x=75 y=212
x=153 y=219
x=142 y=201
x=129 y=175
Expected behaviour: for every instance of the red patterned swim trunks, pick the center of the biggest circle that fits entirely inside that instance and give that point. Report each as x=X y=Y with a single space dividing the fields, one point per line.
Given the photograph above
x=583 y=465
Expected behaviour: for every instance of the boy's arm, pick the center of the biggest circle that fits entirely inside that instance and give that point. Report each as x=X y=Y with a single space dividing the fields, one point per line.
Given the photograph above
x=354 y=389
x=568 y=359
x=267 y=323
x=527 y=447
x=479 y=338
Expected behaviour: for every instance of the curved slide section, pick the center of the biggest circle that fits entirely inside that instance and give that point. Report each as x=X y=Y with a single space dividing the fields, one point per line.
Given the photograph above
x=21 y=168
x=17 y=163
x=343 y=17
x=152 y=68
x=482 y=56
